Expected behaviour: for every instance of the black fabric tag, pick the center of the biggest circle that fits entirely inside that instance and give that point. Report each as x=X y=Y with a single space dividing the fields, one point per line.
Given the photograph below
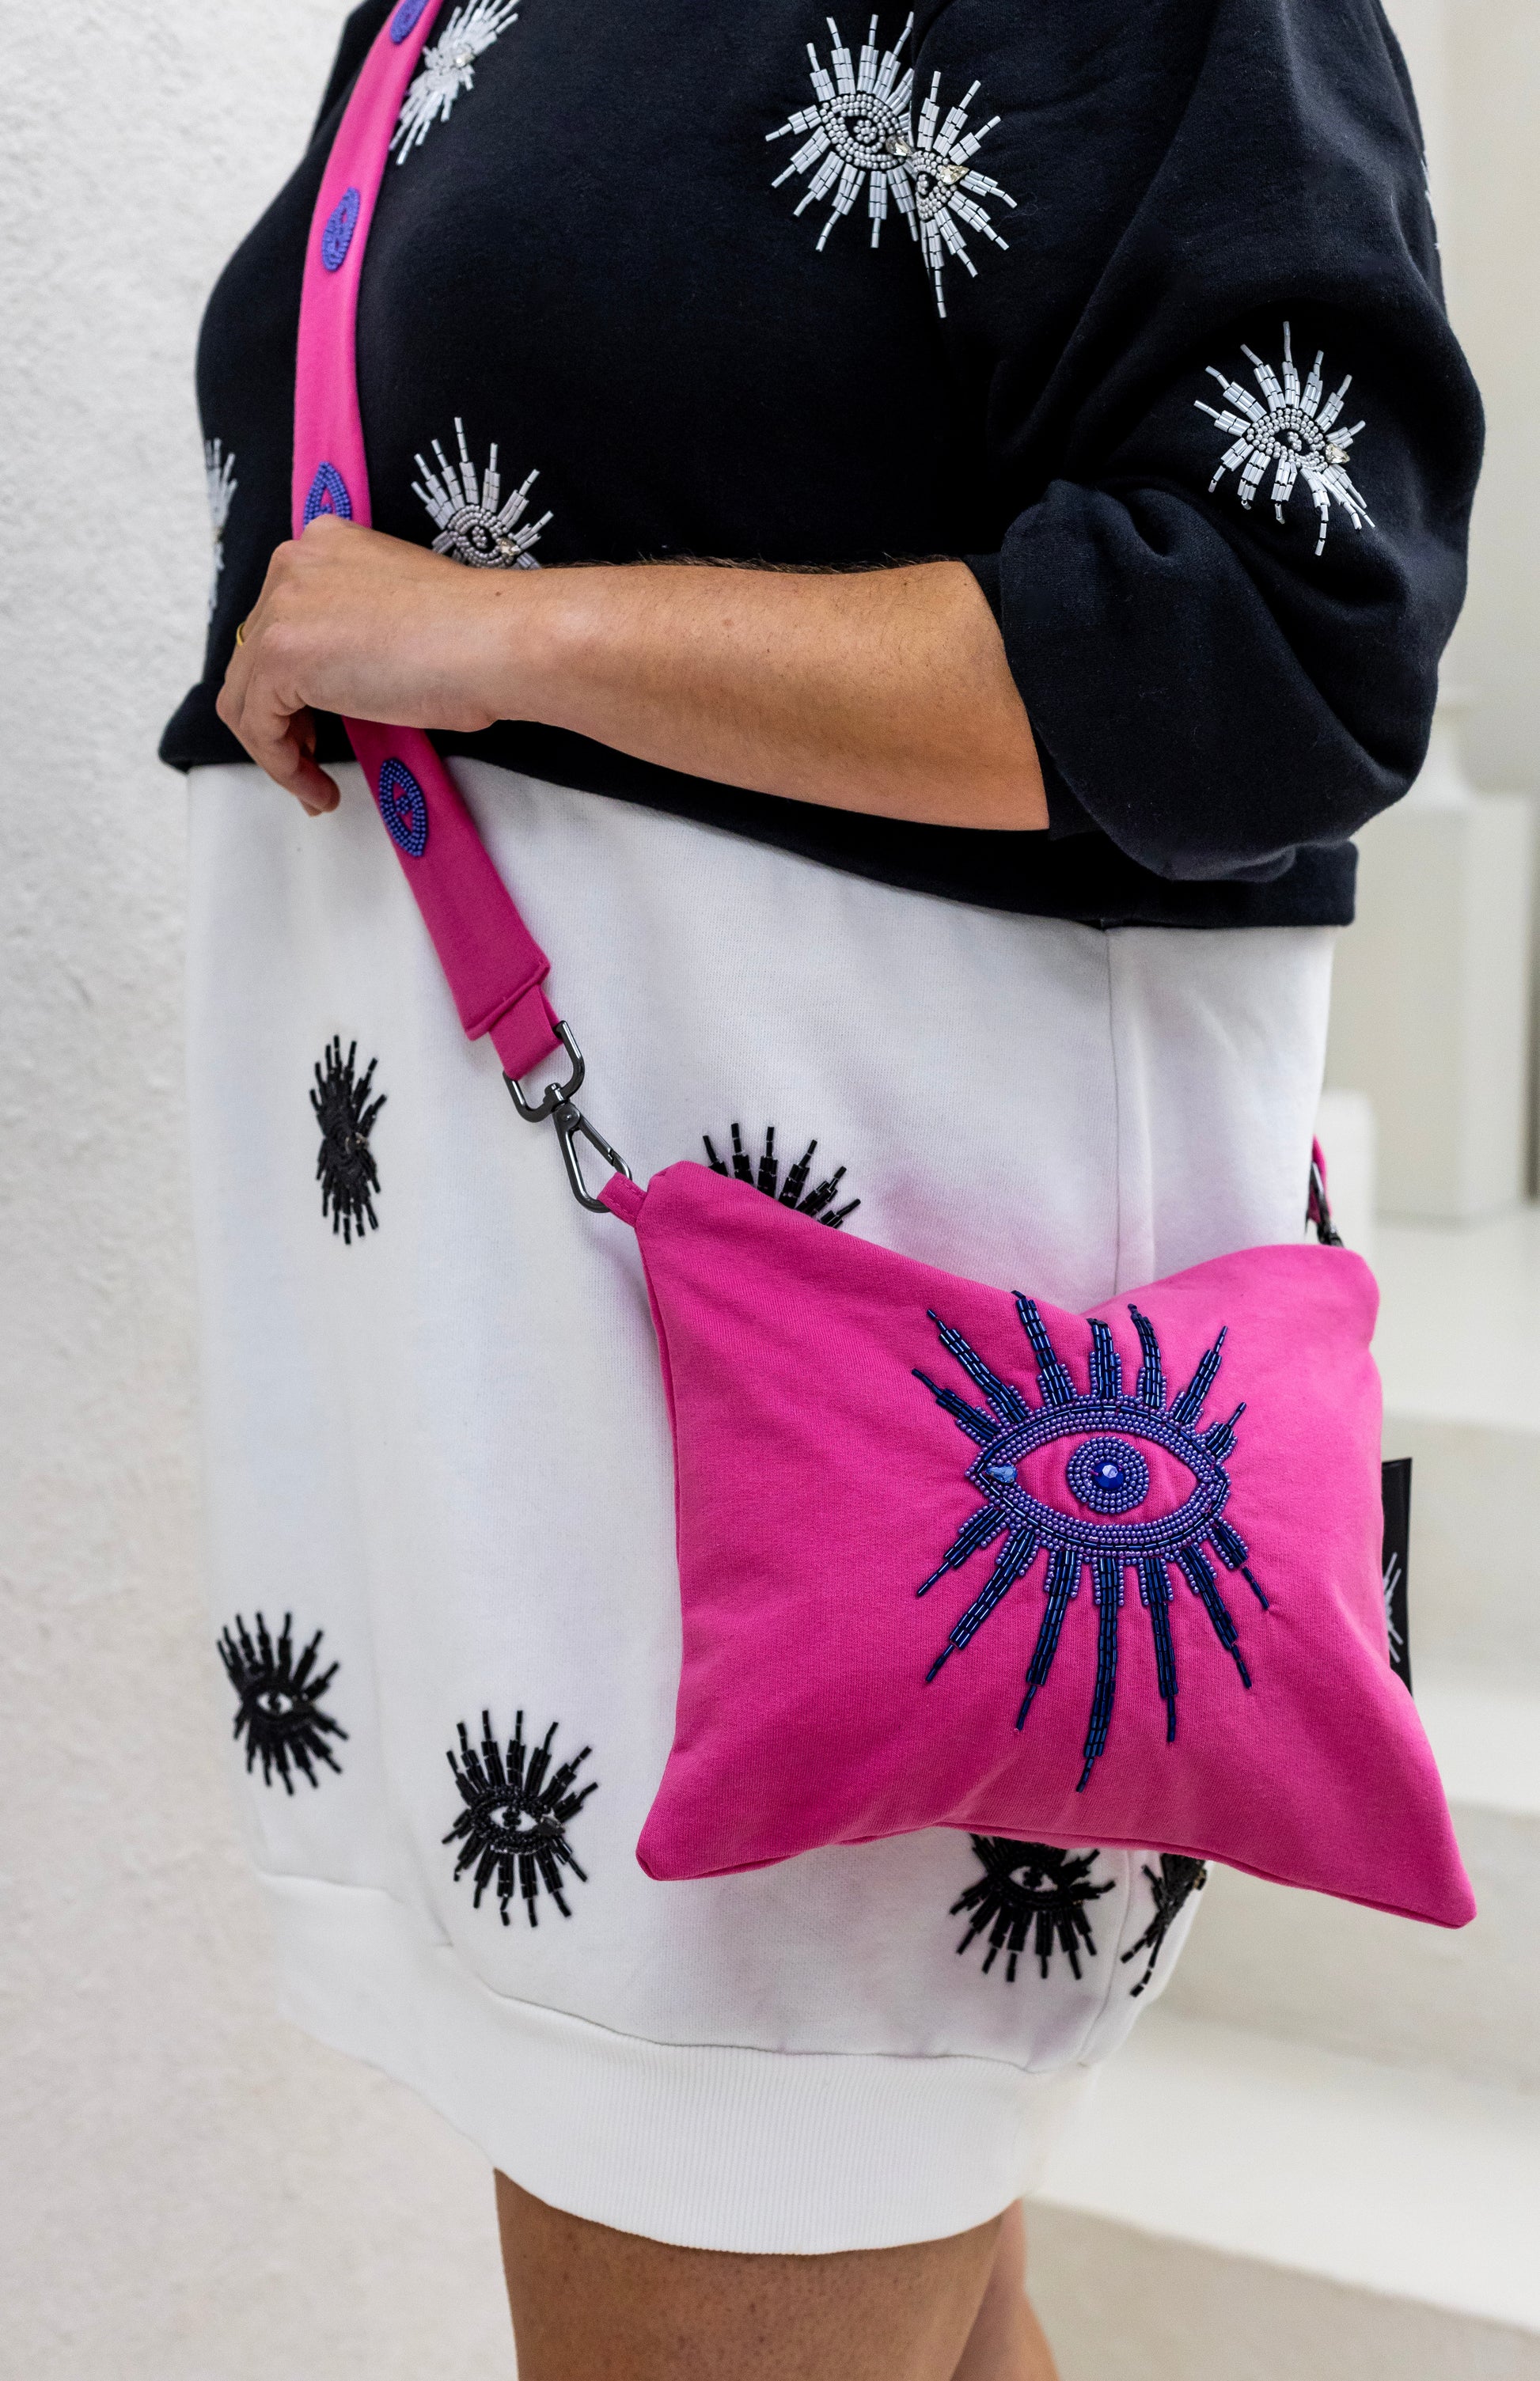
x=1396 y=1490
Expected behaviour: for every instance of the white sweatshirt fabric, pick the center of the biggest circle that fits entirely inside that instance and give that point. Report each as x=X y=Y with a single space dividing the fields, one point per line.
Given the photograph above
x=440 y=1441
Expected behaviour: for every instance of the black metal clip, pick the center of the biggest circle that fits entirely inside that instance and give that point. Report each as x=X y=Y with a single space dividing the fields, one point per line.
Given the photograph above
x=558 y=1104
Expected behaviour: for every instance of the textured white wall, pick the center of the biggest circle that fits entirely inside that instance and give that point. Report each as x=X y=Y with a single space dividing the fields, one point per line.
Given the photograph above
x=1491 y=116
x=1476 y=68
x=187 y=2191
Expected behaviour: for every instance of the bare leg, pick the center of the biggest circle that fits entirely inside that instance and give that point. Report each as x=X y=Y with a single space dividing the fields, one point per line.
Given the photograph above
x=591 y=2304
x=1006 y=2342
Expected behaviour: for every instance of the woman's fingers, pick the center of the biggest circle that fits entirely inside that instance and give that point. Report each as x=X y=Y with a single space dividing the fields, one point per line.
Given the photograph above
x=285 y=748
x=352 y=622
x=261 y=705
x=279 y=735
x=309 y=784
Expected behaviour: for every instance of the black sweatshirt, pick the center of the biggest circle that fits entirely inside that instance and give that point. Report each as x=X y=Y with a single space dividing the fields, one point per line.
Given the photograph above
x=1071 y=291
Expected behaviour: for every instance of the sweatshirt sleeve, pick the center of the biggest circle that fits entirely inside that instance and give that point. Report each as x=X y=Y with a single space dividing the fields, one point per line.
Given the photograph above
x=1231 y=491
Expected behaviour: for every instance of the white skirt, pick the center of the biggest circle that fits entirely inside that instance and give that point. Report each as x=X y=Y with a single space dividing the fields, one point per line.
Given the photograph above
x=436 y=1438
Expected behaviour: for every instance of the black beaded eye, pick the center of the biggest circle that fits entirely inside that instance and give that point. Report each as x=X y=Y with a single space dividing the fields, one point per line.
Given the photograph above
x=793 y=1192
x=1031 y=1889
x=278 y=1700
x=516 y=1813
x=345 y=1165
x=1179 y=1878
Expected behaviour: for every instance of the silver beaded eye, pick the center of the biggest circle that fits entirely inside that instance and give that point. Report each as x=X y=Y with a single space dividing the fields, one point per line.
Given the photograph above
x=1286 y=430
x=472 y=525
x=447 y=67
x=861 y=134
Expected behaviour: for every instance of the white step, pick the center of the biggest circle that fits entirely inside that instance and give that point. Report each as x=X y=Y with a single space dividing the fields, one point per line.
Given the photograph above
x=1237 y=2208
x=1474 y=1571
x=1459 y=1335
x=1310 y=1968
x=1430 y=1005
x=1459 y=1346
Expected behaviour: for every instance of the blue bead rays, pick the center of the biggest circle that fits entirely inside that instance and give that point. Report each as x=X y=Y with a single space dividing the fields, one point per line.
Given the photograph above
x=1100 y=1528
x=404 y=809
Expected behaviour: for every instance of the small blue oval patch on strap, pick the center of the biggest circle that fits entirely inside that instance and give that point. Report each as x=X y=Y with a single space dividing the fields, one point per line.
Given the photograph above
x=404 y=807
x=328 y=494
x=336 y=235
x=406 y=18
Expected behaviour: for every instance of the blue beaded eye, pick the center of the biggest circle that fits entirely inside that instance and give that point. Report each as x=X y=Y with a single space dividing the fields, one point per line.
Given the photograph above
x=404 y=809
x=407 y=17
x=1107 y=1478
x=328 y=494
x=337 y=233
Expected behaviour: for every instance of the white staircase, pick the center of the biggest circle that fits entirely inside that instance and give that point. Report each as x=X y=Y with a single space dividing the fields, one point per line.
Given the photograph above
x=1319 y=2157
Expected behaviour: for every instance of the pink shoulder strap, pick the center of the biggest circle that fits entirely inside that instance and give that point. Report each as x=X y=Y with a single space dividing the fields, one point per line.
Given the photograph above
x=497 y=969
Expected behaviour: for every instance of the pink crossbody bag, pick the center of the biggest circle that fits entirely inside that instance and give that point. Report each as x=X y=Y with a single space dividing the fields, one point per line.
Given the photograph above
x=949 y=1556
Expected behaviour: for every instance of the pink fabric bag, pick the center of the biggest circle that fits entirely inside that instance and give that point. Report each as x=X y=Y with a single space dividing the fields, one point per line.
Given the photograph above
x=949 y=1556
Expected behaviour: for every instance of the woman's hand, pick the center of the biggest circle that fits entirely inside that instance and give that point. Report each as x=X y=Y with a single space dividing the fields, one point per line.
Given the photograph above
x=354 y=622
x=885 y=691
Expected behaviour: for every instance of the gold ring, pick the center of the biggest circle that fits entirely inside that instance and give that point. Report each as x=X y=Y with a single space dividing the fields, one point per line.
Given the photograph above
x=241 y=632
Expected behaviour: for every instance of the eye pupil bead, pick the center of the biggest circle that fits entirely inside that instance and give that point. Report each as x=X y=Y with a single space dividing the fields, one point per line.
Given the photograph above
x=1107 y=1477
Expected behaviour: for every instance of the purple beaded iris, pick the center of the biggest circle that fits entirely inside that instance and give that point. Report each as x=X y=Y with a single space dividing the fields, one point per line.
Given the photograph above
x=406 y=20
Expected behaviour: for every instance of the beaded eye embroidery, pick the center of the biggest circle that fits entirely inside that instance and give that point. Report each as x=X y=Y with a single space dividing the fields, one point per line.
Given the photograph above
x=1030 y=1890
x=794 y=1191
x=219 y=473
x=472 y=524
x=861 y=134
x=1292 y=433
x=278 y=1700
x=1103 y=1527
x=1180 y=1877
x=512 y=1829
x=447 y=68
x=345 y=1165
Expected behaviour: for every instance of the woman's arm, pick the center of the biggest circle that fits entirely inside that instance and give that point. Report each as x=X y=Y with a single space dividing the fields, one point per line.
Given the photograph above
x=885 y=691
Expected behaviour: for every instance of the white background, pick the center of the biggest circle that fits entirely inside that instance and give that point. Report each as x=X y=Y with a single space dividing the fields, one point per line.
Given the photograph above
x=192 y=2192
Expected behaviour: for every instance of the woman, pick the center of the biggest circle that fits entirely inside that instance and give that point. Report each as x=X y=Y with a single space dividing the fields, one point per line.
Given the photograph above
x=878 y=516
